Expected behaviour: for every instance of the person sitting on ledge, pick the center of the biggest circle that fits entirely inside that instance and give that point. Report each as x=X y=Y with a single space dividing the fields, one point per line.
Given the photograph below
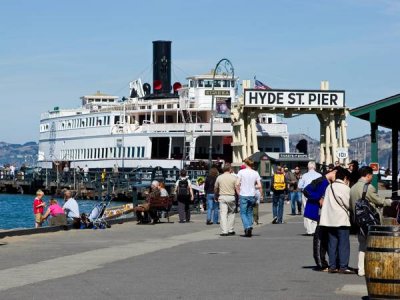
x=71 y=209
x=57 y=214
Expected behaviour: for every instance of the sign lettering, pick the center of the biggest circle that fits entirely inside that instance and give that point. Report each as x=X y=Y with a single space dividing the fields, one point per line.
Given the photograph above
x=216 y=92
x=294 y=99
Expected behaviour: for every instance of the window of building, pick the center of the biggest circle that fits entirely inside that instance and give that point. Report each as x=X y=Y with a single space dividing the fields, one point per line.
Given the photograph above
x=217 y=83
x=200 y=83
x=208 y=83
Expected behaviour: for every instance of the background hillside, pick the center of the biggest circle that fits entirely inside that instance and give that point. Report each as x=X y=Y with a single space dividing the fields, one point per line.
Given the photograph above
x=18 y=154
x=359 y=148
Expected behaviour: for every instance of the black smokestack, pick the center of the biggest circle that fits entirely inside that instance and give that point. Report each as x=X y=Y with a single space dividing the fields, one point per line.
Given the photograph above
x=162 y=67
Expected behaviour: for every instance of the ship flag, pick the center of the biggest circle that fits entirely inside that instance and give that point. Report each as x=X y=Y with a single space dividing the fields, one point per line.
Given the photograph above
x=260 y=86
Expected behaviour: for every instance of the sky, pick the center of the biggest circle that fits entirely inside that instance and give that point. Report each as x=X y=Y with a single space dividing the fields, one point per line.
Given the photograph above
x=54 y=52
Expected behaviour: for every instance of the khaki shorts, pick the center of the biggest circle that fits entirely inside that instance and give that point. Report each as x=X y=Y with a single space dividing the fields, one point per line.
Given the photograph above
x=38 y=218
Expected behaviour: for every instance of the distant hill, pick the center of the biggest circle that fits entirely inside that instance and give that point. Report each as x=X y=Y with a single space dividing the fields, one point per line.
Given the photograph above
x=18 y=154
x=359 y=149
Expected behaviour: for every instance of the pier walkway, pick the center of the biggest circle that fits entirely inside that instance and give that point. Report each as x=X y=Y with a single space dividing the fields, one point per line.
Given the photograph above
x=172 y=261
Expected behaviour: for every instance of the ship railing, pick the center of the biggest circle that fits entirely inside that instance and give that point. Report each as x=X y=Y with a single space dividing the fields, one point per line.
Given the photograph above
x=193 y=127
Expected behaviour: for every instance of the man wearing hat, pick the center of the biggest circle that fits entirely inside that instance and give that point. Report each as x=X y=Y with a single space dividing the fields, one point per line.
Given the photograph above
x=354 y=172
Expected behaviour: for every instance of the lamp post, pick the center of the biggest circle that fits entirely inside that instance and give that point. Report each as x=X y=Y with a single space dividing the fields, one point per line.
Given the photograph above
x=223 y=67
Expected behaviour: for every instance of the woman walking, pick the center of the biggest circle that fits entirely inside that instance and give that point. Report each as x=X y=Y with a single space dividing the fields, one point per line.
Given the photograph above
x=335 y=217
x=212 y=205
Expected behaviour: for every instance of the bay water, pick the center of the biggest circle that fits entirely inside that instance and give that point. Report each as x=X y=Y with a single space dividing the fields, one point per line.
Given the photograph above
x=16 y=211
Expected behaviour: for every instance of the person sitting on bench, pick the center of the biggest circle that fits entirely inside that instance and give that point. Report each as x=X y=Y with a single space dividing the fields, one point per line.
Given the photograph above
x=144 y=214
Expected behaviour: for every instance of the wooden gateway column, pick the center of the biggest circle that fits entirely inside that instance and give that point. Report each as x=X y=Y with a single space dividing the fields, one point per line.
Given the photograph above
x=343 y=135
x=322 y=138
x=332 y=127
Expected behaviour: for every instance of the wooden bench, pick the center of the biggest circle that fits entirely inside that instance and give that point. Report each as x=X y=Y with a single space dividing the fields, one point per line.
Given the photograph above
x=161 y=204
x=156 y=206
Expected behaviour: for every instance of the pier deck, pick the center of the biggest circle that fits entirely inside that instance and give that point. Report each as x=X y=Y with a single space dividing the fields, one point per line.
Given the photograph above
x=172 y=261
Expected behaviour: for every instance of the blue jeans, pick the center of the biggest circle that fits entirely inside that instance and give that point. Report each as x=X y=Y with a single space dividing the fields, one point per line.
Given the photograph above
x=295 y=198
x=277 y=206
x=246 y=210
x=212 y=209
x=338 y=246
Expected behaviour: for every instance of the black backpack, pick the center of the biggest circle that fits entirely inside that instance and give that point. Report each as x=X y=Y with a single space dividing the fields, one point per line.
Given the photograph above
x=183 y=188
x=365 y=214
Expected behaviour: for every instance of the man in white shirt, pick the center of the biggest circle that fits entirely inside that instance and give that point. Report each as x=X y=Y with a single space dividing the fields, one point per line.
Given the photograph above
x=247 y=182
x=305 y=180
x=71 y=209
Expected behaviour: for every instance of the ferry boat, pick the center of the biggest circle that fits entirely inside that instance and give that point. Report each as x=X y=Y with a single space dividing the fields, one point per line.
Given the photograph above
x=166 y=125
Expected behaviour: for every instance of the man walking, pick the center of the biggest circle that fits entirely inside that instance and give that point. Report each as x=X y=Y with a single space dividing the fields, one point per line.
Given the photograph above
x=225 y=188
x=278 y=199
x=184 y=195
x=374 y=199
x=294 y=192
x=305 y=180
x=247 y=182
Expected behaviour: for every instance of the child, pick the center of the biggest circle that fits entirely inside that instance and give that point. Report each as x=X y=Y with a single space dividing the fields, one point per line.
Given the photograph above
x=38 y=207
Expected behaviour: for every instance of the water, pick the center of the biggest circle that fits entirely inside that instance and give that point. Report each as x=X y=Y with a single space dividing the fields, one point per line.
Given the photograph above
x=16 y=211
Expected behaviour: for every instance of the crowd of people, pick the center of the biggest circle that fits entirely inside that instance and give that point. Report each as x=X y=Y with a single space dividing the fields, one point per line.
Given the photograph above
x=327 y=213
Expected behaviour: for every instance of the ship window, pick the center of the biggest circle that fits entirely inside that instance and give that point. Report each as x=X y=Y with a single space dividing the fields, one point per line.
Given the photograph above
x=108 y=120
x=98 y=122
x=208 y=83
x=200 y=83
x=133 y=152
x=170 y=106
x=116 y=119
x=191 y=83
x=104 y=100
x=269 y=120
x=138 y=152
x=102 y=152
x=217 y=83
x=128 y=154
x=276 y=149
x=225 y=83
x=232 y=83
x=115 y=152
x=142 y=154
x=160 y=106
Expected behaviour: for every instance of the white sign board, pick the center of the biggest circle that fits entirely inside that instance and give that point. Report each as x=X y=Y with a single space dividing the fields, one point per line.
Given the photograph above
x=342 y=153
x=293 y=98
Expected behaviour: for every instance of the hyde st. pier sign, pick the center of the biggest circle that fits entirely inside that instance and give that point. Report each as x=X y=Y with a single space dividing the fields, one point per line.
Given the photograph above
x=294 y=99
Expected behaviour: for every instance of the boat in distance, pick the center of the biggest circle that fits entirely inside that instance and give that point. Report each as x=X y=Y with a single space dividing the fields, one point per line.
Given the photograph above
x=166 y=125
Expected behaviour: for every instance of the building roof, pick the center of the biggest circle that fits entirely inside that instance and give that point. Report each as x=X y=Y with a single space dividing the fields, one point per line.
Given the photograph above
x=384 y=112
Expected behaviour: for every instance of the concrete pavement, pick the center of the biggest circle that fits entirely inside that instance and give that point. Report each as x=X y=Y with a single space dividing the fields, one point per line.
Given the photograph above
x=172 y=261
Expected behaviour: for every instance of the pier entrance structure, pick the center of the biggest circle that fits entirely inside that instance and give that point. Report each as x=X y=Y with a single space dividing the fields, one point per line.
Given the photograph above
x=328 y=105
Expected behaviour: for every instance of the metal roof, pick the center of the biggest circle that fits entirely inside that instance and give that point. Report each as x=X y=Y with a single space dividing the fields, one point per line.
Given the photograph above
x=384 y=112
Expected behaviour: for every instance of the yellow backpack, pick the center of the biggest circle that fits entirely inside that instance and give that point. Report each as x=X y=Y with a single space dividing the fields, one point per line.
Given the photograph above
x=279 y=182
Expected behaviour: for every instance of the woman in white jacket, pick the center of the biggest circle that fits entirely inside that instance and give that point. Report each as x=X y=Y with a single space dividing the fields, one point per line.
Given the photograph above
x=335 y=216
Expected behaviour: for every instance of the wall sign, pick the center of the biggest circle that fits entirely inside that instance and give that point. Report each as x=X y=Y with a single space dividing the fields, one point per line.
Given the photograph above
x=294 y=98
